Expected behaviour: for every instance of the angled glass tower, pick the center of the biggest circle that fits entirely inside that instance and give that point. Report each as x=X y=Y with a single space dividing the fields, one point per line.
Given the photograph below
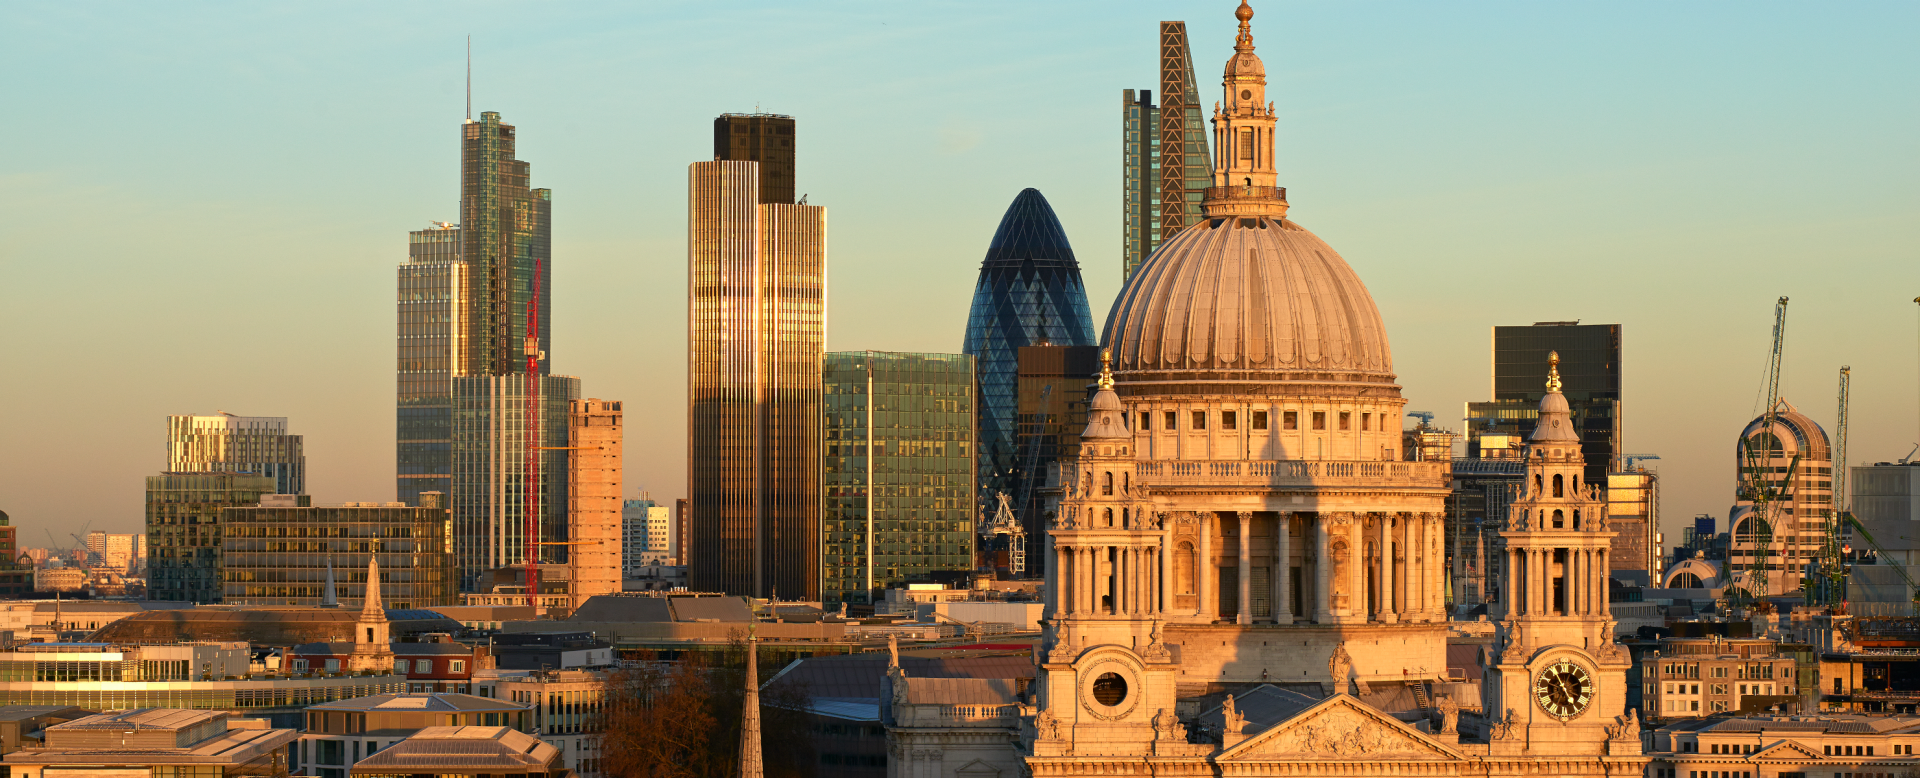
x=1029 y=294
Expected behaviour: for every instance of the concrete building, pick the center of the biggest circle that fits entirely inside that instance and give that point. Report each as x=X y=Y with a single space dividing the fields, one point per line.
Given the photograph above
x=568 y=708
x=1886 y=499
x=1798 y=462
x=259 y=563
x=756 y=333
x=56 y=576
x=1848 y=746
x=225 y=443
x=898 y=471
x=157 y=741
x=203 y=676
x=183 y=514
x=337 y=735
x=594 y=466
x=112 y=551
x=648 y=535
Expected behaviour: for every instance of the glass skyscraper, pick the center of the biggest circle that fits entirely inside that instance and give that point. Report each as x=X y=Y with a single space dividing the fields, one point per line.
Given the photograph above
x=898 y=471
x=756 y=334
x=225 y=443
x=281 y=555
x=490 y=471
x=506 y=241
x=1029 y=293
x=1054 y=391
x=1165 y=165
x=1590 y=371
x=183 y=530
x=432 y=296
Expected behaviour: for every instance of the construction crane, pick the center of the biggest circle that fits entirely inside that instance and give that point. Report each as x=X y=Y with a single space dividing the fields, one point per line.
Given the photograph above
x=1626 y=462
x=1757 y=462
x=1828 y=586
x=1425 y=417
x=530 y=425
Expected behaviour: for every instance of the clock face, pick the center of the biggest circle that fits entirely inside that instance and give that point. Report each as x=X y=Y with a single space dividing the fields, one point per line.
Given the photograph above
x=1564 y=689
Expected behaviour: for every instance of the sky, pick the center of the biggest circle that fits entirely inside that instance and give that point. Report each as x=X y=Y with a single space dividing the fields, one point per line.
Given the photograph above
x=204 y=203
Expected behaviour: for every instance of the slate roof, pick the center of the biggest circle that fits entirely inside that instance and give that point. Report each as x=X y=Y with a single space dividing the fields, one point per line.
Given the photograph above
x=1264 y=706
x=438 y=750
x=864 y=676
x=617 y=608
x=260 y=626
x=728 y=609
x=425 y=701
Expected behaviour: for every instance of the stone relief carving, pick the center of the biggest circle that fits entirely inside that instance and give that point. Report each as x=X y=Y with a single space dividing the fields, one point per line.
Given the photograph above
x=1342 y=735
x=1504 y=729
x=1625 y=727
x=1156 y=650
x=1046 y=727
x=1168 y=726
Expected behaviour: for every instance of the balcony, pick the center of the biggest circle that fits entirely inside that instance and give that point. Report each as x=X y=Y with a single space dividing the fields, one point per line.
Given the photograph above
x=1293 y=474
x=1245 y=193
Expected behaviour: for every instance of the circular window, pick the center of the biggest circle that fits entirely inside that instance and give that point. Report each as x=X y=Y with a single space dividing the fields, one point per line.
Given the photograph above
x=1110 y=689
x=1246 y=94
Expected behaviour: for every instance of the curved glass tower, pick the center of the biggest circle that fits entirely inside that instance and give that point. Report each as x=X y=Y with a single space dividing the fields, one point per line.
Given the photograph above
x=1029 y=293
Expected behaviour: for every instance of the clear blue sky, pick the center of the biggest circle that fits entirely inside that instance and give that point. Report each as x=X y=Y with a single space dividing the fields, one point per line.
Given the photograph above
x=204 y=202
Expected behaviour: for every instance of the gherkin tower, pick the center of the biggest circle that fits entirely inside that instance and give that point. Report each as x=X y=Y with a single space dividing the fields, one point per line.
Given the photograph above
x=1029 y=293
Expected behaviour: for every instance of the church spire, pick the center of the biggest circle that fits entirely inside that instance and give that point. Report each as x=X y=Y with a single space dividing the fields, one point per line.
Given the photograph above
x=1244 y=41
x=1556 y=417
x=330 y=598
x=750 y=764
x=373 y=607
x=1244 y=178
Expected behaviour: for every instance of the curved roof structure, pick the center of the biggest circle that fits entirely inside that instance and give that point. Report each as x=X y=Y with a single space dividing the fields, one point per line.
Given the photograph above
x=260 y=626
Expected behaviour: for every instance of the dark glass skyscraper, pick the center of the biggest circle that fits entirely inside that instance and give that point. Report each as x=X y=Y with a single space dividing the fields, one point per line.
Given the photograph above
x=1590 y=370
x=506 y=241
x=1029 y=293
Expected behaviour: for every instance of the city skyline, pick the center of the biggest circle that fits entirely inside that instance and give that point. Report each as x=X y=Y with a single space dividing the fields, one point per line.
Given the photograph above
x=1663 y=192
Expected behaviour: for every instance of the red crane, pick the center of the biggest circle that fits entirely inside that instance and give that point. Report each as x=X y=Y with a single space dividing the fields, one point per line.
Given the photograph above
x=530 y=480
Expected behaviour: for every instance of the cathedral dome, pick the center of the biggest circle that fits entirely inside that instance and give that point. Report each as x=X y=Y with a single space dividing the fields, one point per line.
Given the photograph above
x=1240 y=299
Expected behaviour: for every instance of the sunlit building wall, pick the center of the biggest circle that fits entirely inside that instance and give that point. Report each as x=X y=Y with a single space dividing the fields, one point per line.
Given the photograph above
x=594 y=468
x=432 y=294
x=756 y=334
x=285 y=555
x=898 y=471
x=183 y=530
x=226 y=443
x=491 y=471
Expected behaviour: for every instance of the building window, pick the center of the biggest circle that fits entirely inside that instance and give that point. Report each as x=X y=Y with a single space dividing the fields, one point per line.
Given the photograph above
x=1259 y=420
x=1228 y=420
x=1199 y=420
x=1319 y=420
x=1173 y=420
x=1559 y=486
x=1290 y=420
x=423 y=666
x=1146 y=421
x=1106 y=485
x=1366 y=422
x=1346 y=420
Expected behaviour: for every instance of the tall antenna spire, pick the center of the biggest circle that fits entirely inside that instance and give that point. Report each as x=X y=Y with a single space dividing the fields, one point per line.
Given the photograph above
x=469 y=77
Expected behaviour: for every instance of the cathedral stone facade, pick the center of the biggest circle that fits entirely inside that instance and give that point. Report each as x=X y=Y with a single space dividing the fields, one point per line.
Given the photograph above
x=1244 y=570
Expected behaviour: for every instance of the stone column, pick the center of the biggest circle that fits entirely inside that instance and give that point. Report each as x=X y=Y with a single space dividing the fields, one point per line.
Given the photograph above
x=1205 y=577
x=1437 y=554
x=1391 y=549
x=1282 y=569
x=1606 y=592
x=1166 y=565
x=1089 y=573
x=1246 y=569
x=1322 y=598
x=1062 y=580
x=1379 y=563
x=1051 y=581
x=1358 y=580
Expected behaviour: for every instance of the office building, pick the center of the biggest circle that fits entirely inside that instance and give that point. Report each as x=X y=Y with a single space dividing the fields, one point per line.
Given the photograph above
x=898 y=473
x=290 y=555
x=1485 y=486
x=157 y=742
x=569 y=711
x=648 y=536
x=225 y=443
x=1590 y=371
x=506 y=243
x=1770 y=551
x=766 y=139
x=16 y=574
x=112 y=675
x=756 y=333
x=500 y=477
x=1885 y=498
x=1029 y=294
x=1633 y=514
x=593 y=498
x=110 y=551
x=338 y=735
x=432 y=302
x=1053 y=387
x=460 y=752
x=183 y=519
x=1165 y=166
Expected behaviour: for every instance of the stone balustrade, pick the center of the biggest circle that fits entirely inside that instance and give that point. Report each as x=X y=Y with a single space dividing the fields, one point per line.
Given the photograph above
x=1293 y=473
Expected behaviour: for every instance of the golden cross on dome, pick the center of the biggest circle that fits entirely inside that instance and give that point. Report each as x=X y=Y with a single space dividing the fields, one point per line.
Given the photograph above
x=1553 y=371
x=1106 y=368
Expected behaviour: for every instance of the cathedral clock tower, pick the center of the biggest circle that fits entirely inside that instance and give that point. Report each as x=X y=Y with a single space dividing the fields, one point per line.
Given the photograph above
x=1558 y=682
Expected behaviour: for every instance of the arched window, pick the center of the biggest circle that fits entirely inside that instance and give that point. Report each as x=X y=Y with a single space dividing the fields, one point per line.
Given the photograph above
x=1109 y=517
x=1536 y=483
x=1125 y=518
x=1126 y=479
x=1106 y=484
x=1576 y=518
x=1685 y=580
x=1559 y=486
x=1184 y=561
x=1559 y=519
x=1576 y=486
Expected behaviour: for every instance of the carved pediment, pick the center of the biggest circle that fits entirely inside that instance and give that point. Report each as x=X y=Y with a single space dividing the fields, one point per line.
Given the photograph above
x=1789 y=750
x=1340 y=728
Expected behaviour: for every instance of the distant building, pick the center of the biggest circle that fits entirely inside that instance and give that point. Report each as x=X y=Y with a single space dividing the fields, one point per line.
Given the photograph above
x=1886 y=499
x=183 y=513
x=16 y=578
x=202 y=676
x=648 y=536
x=1165 y=164
x=594 y=466
x=1590 y=370
x=756 y=334
x=158 y=741
x=899 y=471
x=412 y=545
x=1700 y=677
x=490 y=495
x=1633 y=513
x=1029 y=293
x=569 y=711
x=1798 y=463
x=225 y=443
x=459 y=752
x=431 y=351
x=1052 y=387
x=111 y=551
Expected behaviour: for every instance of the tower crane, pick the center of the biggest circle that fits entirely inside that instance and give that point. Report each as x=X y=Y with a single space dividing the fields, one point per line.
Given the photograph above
x=1828 y=586
x=1757 y=457
x=530 y=426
